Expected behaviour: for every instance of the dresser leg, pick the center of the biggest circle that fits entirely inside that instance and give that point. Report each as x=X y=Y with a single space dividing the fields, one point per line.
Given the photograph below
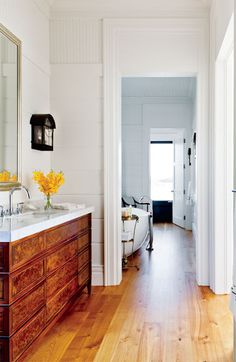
x=89 y=287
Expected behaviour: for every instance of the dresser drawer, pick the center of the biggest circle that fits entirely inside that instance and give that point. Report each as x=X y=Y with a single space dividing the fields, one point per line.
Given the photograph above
x=13 y=286
x=61 y=277
x=27 y=278
x=4 y=257
x=83 y=258
x=55 y=304
x=62 y=233
x=15 y=315
x=84 y=275
x=26 y=249
x=61 y=256
x=84 y=223
x=23 y=309
x=27 y=334
x=4 y=289
x=83 y=241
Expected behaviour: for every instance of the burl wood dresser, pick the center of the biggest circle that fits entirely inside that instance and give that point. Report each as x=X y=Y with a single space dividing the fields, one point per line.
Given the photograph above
x=40 y=275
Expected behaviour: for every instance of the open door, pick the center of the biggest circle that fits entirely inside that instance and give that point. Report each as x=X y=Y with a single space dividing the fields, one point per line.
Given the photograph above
x=178 y=191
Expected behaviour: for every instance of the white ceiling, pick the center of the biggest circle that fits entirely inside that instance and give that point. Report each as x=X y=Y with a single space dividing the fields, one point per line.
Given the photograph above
x=184 y=87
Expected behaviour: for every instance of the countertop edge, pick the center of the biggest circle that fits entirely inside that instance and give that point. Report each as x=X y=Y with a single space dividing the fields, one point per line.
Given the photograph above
x=17 y=234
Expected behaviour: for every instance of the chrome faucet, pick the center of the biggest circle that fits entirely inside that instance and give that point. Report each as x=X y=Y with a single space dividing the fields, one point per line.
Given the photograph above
x=11 y=196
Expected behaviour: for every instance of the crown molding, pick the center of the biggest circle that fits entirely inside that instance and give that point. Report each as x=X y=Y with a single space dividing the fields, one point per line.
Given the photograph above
x=122 y=9
x=61 y=13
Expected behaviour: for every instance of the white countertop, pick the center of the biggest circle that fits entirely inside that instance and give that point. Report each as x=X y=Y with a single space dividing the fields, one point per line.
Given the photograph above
x=20 y=226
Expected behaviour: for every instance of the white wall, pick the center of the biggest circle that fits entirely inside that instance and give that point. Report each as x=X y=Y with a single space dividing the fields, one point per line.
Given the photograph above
x=76 y=103
x=29 y=21
x=139 y=116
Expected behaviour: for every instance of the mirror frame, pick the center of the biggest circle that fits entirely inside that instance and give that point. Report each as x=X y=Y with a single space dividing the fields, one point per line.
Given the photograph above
x=6 y=186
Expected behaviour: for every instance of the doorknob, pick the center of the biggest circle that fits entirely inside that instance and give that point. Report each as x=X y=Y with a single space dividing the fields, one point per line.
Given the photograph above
x=172 y=190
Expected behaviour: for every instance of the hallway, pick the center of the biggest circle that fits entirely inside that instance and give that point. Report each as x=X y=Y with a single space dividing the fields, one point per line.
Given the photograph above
x=156 y=314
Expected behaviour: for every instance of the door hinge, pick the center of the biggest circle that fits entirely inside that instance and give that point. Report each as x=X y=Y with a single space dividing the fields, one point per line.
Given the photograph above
x=184 y=140
x=184 y=166
x=184 y=217
x=184 y=192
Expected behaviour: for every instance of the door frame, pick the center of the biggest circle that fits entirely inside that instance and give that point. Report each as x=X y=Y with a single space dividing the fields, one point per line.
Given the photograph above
x=222 y=249
x=112 y=30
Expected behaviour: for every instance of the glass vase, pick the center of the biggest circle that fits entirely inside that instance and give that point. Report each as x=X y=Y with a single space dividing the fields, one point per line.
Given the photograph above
x=48 y=203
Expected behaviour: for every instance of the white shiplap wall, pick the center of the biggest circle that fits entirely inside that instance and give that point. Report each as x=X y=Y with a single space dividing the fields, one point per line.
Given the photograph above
x=76 y=103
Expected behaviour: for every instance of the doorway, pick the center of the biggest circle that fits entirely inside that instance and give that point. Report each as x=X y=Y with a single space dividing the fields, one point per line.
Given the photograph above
x=162 y=180
x=130 y=48
x=174 y=192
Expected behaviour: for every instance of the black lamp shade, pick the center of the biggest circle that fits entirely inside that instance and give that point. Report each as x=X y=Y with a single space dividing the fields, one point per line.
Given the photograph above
x=42 y=127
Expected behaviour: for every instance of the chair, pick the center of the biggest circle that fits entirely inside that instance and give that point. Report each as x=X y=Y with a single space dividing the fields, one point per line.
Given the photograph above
x=128 y=237
x=141 y=203
x=126 y=204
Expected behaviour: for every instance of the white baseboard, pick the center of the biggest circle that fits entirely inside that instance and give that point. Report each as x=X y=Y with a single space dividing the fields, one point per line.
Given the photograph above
x=97 y=275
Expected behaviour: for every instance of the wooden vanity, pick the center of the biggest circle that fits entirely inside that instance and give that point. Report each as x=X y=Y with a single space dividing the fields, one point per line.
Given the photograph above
x=40 y=275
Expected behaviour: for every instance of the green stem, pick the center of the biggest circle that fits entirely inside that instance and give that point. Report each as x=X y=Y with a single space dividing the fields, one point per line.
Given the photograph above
x=48 y=204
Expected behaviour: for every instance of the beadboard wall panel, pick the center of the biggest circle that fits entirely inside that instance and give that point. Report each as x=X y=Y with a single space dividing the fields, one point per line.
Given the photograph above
x=76 y=41
x=76 y=103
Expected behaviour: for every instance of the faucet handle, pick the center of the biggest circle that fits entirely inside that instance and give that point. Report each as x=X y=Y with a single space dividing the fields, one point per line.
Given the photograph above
x=19 y=207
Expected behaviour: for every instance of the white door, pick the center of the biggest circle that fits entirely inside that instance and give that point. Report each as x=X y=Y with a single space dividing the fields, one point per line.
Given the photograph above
x=178 y=197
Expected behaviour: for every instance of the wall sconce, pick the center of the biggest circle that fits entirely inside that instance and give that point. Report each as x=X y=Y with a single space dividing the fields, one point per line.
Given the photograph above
x=189 y=156
x=42 y=127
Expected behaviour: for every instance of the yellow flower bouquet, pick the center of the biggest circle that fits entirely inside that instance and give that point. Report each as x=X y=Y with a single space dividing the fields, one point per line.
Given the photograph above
x=6 y=176
x=49 y=184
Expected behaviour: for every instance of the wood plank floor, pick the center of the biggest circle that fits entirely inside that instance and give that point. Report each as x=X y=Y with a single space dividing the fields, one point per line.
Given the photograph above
x=157 y=314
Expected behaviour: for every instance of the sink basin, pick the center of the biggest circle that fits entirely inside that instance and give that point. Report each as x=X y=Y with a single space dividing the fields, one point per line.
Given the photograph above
x=34 y=214
x=46 y=212
x=17 y=216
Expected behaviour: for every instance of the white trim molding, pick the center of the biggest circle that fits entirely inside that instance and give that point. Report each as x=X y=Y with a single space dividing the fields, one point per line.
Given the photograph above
x=123 y=9
x=222 y=248
x=116 y=31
